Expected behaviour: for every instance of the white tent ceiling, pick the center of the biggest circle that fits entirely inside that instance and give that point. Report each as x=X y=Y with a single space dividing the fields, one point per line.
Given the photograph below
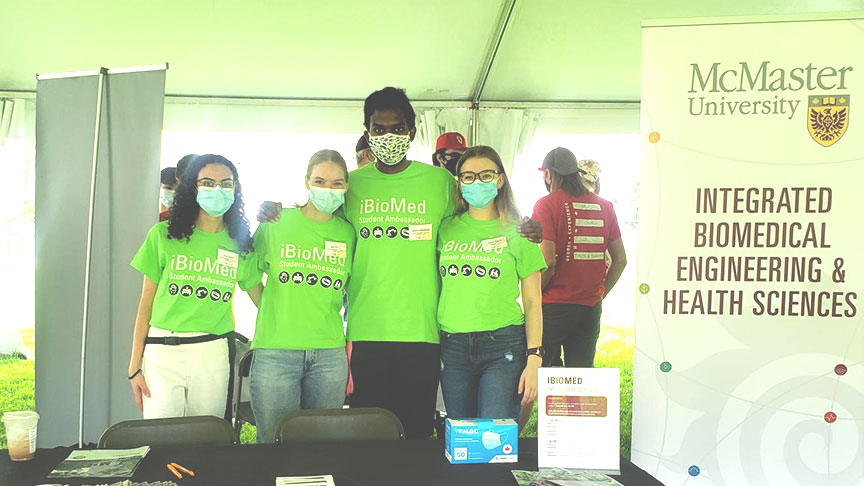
x=344 y=49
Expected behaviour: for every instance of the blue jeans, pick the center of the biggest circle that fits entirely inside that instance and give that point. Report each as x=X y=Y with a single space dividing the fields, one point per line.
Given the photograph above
x=287 y=380
x=480 y=372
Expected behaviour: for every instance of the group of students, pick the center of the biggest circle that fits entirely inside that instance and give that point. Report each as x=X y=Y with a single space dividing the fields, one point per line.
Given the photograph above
x=432 y=265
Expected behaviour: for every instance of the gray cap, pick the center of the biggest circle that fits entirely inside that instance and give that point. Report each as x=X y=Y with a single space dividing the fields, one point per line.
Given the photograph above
x=562 y=161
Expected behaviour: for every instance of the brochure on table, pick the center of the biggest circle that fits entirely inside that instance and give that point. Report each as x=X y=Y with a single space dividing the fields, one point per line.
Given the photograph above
x=578 y=413
x=100 y=463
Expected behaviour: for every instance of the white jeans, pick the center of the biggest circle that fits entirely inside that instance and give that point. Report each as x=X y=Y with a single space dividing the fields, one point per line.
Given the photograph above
x=185 y=380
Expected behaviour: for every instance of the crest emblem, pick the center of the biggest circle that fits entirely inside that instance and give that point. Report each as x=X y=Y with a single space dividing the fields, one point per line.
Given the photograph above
x=460 y=140
x=827 y=118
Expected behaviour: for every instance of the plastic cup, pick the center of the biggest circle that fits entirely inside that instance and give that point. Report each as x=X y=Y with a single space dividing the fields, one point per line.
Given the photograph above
x=21 y=434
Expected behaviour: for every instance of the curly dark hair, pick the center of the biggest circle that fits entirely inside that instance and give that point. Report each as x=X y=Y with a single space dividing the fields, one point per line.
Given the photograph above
x=186 y=208
x=389 y=98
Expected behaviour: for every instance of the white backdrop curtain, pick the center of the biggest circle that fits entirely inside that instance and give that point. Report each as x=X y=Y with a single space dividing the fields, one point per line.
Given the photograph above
x=17 y=150
x=431 y=123
x=508 y=131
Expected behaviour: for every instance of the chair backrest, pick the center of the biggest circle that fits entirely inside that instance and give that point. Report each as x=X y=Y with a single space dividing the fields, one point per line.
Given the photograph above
x=245 y=364
x=192 y=431
x=340 y=424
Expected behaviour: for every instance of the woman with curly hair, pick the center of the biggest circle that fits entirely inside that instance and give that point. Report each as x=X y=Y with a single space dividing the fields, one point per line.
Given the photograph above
x=191 y=264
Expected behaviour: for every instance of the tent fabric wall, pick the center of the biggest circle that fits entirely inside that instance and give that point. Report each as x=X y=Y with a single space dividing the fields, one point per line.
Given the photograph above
x=431 y=123
x=16 y=118
x=127 y=186
x=508 y=131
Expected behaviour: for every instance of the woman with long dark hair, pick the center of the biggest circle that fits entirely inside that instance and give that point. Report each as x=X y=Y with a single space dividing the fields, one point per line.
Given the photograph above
x=300 y=360
x=191 y=265
x=490 y=347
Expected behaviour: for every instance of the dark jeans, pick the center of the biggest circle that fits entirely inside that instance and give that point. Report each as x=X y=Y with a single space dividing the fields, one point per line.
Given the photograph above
x=573 y=327
x=480 y=372
x=401 y=377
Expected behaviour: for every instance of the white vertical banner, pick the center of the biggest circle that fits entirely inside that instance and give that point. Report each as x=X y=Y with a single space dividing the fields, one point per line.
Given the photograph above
x=749 y=333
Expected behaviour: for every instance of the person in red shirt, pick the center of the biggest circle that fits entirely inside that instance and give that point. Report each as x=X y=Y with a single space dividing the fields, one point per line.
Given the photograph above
x=579 y=227
x=448 y=148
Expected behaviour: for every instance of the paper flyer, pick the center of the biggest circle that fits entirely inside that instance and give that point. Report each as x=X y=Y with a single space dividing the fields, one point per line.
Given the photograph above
x=578 y=414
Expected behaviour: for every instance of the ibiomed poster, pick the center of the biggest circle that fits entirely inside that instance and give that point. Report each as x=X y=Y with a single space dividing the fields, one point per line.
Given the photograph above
x=749 y=334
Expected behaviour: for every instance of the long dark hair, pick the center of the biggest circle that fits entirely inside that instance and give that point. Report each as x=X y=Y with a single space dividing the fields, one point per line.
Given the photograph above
x=505 y=203
x=186 y=208
x=571 y=183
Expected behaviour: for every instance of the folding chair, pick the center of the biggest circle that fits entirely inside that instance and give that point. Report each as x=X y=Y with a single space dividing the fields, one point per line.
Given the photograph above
x=339 y=424
x=191 y=431
x=242 y=404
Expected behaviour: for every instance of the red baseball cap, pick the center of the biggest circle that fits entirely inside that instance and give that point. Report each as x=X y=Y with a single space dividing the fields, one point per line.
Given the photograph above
x=451 y=141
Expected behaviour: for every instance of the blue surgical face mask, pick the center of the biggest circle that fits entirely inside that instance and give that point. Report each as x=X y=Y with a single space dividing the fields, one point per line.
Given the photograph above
x=215 y=200
x=326 y=200
x=491 y=440
x=480 y=194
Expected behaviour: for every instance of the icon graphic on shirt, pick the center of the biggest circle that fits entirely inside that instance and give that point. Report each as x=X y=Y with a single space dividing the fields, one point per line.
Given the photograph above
x=226 y=296
x=201 y=292
x=480 y=271
x=364 y=232
x=466 y=270
x=186 y=291
x=215 y=295
x=404 y=232
x=284 y=277
x=173 y=288
x=326 y=281
x=297 y=278
x=311 y=279
x=494 y=273
x=453 y=270
x=443 y=271
x=377 y=232
x=337 y=284
x=392 y=232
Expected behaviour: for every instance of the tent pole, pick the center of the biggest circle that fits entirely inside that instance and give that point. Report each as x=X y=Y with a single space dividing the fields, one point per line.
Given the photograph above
x=92 y=210
x=492 y=52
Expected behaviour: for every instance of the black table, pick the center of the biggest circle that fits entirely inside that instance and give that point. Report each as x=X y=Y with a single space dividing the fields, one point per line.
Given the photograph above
x=360 y=463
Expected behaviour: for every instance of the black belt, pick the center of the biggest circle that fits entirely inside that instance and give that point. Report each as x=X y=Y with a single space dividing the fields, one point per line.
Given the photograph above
x=176 y=340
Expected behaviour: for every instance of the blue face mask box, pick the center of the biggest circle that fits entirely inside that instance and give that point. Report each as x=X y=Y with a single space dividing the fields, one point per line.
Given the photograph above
x=481 y=441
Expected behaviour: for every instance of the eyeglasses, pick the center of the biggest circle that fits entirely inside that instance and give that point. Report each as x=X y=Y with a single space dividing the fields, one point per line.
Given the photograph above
x=452 y=156
x=468 y=177
x=210 y=183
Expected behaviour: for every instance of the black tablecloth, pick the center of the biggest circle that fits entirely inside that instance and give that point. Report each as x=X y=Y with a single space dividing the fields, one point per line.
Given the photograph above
x=360 y=463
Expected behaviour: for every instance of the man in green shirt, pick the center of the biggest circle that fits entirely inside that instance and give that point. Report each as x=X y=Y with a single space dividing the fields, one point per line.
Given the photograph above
x=396 y=206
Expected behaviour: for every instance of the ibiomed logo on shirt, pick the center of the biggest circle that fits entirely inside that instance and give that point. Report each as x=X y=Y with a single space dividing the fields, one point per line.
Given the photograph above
x=183 y=263
x=469 y=247
x=392 y=206
x=289 y=250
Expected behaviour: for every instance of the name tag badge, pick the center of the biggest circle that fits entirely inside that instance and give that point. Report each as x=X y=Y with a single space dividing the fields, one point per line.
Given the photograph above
x=419 y=232
x=493 y=244
x=228 y=258
x=335 y=249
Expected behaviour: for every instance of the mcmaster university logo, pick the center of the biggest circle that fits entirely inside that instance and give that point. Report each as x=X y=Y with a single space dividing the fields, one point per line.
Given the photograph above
x=772 y=90
x=827 y=118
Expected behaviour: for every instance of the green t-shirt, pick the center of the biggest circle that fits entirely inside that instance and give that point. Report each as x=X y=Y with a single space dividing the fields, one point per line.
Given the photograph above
x=195 y=279
x=307 y=265
x=480 y=276
x=394 y=288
